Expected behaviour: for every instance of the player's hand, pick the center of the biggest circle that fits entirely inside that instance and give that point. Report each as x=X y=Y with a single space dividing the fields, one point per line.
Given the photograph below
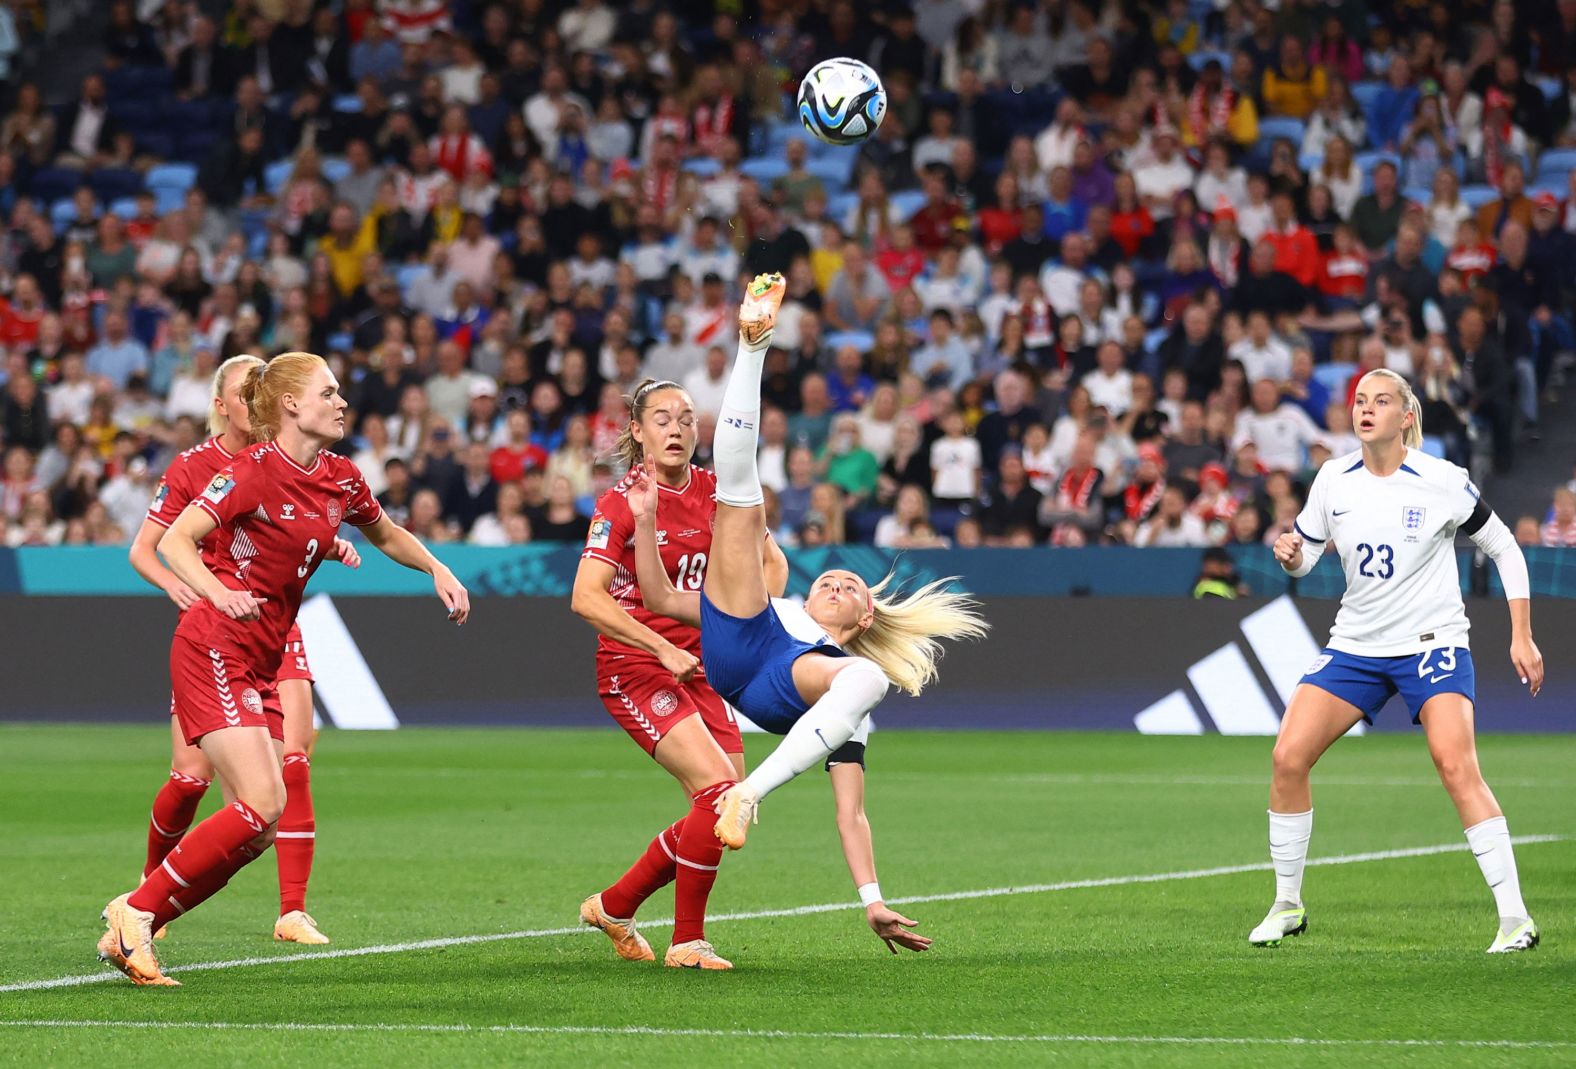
x=345 y=553
x=681 y=663
x=1524 y=654
x=453 y=594
x=643 y=489
x=1288 y=549
x=239 y=604
x=893 y=928
x=183 y=596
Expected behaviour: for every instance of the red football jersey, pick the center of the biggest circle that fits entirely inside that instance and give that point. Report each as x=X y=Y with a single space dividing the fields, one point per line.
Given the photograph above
x=684 y=519
x=186 y=477
x=276 y=520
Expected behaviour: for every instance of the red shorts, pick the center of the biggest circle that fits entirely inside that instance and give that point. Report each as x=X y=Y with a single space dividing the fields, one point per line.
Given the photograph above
x=647 y=702
x=213 y=689
x=293 y=664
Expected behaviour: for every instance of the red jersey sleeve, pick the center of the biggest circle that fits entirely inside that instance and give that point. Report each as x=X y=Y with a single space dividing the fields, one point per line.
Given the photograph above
x=233 y=492
x=174 y=493
x=612 y=526
x=361 y=507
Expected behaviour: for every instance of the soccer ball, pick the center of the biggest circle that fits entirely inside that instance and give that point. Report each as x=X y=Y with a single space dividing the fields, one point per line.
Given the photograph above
x=841 y=101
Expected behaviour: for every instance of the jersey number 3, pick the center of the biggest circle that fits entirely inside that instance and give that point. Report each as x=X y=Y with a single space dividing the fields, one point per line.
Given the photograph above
x=1386 y=566
x=311 y=551
x=691 y=572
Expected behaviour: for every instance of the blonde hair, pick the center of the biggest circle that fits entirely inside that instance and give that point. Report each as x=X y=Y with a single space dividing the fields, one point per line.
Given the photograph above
x=218 y=422
x=1412 y=436
x=631 y=451
x=903 y=633
x=266 y=384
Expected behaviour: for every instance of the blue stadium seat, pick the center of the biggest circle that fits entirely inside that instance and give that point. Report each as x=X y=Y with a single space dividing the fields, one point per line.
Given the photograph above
x=62 y=213
x=335 y=168
x=703 y=166
x=407 y=274
x=1418 y=195
x=1557 y=162
x=835 y=172
x=764 y=169
x=1334 y=377
x=1475 y=197
x=110 y=183
x=276 y=174
x=196 y=144
x=156 y=143
x=1275 y=127
x=177 y=176
x=1367 y=161
x=1156 y=338
x=1202 y=56
x=1365 y=93
x=906 y=202
x=1549 y=85
x=862 y=340
x=839 y=205
x=1559 y=185
x=347 y=104
x=1434 y=446
x=52 y=183
x=125 y=207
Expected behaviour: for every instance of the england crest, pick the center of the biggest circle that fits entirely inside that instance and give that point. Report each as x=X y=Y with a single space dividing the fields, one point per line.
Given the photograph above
x=1412 y=517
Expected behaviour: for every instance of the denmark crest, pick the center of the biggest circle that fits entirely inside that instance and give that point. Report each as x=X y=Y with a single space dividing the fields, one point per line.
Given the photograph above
x=332 y=509
x=664 y=703
x=252 y=701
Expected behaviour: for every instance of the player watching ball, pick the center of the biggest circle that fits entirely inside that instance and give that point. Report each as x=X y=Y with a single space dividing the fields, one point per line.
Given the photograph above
x=1393 y=513
x=191 y=773
x=228 y=647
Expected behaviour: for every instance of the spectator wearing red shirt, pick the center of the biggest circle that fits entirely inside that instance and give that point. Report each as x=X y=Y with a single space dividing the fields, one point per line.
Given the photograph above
x=1470 y=255
x=900 y=263
x=510 y=461
x=1003 y=220
x=1131 y=223
x=933 y=222
x=1296 y=249
x=20 y=316
x=1343 y=276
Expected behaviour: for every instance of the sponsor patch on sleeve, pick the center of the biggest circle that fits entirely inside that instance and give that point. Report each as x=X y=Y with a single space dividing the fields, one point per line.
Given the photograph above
x=159 y=496
x=220 y=487
x=601 y=532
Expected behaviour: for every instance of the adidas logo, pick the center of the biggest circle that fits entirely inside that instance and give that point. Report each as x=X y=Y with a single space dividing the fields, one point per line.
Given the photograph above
x=1225 y=685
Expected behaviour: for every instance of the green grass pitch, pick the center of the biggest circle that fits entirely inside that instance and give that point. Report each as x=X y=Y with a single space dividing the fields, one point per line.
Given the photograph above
x=434 y=835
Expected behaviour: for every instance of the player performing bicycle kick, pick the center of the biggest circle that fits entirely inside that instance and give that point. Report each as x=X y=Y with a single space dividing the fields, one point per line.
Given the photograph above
x=1393 y=513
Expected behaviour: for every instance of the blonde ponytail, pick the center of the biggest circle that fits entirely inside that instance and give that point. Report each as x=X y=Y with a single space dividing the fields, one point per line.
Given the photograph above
x=902 y=637
x=1411 y=437
x=218 y=423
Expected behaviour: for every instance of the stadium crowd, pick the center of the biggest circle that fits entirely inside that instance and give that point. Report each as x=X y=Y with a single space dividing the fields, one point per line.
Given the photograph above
x=1106 y=273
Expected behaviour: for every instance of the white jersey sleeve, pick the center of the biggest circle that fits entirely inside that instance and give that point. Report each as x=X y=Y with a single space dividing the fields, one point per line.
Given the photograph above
x=798 y=623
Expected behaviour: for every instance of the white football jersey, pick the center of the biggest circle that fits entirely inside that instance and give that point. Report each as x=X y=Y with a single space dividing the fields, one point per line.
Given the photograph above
x=1396 y=540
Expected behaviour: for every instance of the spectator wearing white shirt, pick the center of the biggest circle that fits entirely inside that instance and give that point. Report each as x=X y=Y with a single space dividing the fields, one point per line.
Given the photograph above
x=1110 y=384
x=588 y=26
x=191 y=390
x=70 y=399
x=651 y=254
x=1280 y=430
x=1263 y=355
x=947 y=286
x=673 y=357
x=955 y=461
x=1172 y=524
x=1161 y=178
x=472 y=255
x=589 y=265
x=1062 y=280
x=1219 y=179
x=772 y=457
x=706 y=254
x=706 y=384
x=1055 y=144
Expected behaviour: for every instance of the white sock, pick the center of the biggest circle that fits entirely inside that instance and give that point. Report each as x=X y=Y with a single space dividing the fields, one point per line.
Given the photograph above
x=1289 y=835
x=1490 y=842
x=824 y=727
x=733 y=450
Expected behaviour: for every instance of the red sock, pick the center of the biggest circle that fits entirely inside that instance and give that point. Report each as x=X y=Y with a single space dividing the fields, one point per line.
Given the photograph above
x=173 y=809
x=699 y=854
x=297 y=837
x=200 y=853
x=646 y=876
x=205 y=886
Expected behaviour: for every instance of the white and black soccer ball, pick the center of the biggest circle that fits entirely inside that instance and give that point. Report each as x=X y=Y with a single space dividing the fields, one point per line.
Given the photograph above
x=842 y=101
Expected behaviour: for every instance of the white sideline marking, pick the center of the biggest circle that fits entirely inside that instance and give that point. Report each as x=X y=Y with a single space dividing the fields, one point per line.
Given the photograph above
x=753 y=1033
x=792 y=911
x=1167 y=779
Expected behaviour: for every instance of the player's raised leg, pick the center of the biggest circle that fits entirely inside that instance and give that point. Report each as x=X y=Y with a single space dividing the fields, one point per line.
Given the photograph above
x=1314 y=720
x=296 y=842
x=1448 y=722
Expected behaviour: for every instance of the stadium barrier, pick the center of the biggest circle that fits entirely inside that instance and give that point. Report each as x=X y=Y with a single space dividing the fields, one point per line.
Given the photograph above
x=1158 y=665
x=548 y=570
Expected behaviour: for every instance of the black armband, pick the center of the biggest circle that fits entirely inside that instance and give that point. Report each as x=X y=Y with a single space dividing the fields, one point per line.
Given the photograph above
x=1480 y=515
x=850 y=753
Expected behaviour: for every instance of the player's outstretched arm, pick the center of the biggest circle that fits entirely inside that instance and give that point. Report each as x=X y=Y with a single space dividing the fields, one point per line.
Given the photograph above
x=179 y=548
x=402 y=547
x=853 y=828
x=656 y=587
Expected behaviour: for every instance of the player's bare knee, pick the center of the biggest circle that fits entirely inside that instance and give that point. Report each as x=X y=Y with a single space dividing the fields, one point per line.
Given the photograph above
x=1291 y=762
x=1459 y=773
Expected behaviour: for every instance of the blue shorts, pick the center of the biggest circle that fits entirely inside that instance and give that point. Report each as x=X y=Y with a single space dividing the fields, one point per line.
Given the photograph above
x=1369 y=682
x=750 y=663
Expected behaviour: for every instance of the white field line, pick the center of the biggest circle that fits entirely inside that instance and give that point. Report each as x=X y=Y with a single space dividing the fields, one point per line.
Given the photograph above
x=753 y=1033
x=1166 y=779
x=792 y=911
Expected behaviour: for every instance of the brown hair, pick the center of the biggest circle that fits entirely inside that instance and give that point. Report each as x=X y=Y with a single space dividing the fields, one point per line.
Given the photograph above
x=630 y=451
x=266 y=384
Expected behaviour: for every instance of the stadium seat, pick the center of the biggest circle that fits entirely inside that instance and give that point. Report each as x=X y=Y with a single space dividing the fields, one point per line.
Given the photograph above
x=110 y=183
x=335 y=168
x=1433 y=445
x=1365 y=93
x=1156 y=338
x=906 y=202
x=1367 y=161
x=703 y=166
x=177 y=176
x=407 y=274
x=276 y=174
x=1334 y=377
x=1418 y=195
x=196 y=144
x=347 y=104
x=839 y=205
x=1557 y=162
x=764 y=169
x=52 y=183
x=834 y=171
x=1558 y=185
x=862 y=340
x=1475 y=197
x=1274 y=127
x=125 y=207
x=1201 y=57
x=62 y=213
x=1549 y=85
x=160 y=145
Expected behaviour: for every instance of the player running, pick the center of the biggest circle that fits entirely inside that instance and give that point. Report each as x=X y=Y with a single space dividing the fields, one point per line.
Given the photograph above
x=649 y=674
x=812 y=673
x=1393 y=512
x=275 y=511
x=175 y=806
